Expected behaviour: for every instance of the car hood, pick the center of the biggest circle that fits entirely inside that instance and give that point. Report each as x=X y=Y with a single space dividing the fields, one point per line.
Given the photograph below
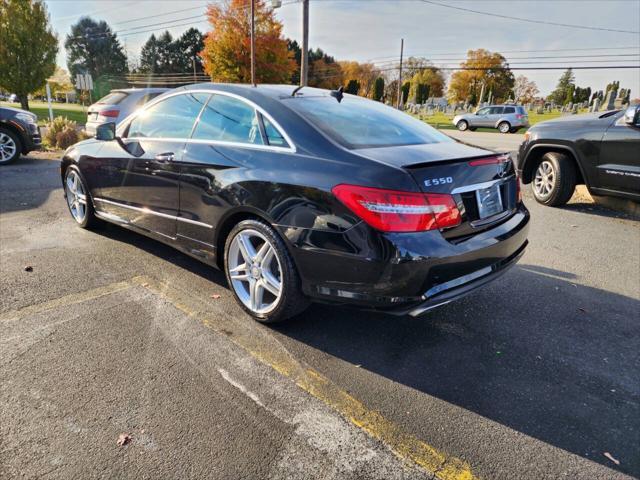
x=573 y=120
x=405 y=155
x=13 y=111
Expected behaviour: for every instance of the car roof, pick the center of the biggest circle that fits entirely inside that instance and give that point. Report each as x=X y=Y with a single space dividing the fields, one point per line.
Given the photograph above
x=141 y=90
x=269 y=90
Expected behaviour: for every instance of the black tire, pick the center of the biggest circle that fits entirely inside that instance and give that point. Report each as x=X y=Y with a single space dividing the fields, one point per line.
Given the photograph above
x=473 y=129
x=514 y=130
x=564 y=180
x=504 y=127
x=16 y=147
x=462 y=125
x=89 y=220
x=291 y=301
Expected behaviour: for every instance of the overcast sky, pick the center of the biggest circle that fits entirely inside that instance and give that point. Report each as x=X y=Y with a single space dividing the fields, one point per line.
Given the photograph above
x=371 y=30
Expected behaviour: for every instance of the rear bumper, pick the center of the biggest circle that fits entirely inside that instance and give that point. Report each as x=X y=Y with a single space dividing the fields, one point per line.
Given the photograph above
x=404 y=273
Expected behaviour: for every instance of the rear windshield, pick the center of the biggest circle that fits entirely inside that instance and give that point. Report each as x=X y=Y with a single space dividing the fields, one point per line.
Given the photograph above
x=360 y=123
x=113 y=98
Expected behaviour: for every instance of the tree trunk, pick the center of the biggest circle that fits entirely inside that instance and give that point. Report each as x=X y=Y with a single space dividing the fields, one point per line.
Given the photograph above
x=24 y=102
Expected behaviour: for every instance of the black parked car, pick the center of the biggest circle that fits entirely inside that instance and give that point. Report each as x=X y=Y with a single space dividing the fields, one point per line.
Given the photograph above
x=19 y=133
x=303 y=195
x=600 y=150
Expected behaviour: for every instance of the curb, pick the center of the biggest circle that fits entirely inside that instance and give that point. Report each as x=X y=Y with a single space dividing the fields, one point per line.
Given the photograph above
x=622 y=205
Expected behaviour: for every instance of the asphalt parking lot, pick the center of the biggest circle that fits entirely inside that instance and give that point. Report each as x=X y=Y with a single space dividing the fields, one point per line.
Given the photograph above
x=533 y=377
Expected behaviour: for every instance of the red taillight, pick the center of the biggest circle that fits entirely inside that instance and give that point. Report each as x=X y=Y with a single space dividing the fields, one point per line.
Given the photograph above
x=109 y=113
x=489 y=160
x=519 y=116
x=396 y=211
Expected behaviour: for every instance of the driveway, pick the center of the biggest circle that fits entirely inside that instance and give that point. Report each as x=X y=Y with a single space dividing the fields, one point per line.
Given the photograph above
x=110 y=334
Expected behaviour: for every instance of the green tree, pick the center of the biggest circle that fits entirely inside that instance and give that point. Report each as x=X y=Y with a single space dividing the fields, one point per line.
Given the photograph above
x=378 y=89
x=422 y=93
x=406 y=87
x=93 y=48
x=352 y=87
x=28 y=47
x=559 y=95
x=568 y=98
x=188 y=47
x=149 y=58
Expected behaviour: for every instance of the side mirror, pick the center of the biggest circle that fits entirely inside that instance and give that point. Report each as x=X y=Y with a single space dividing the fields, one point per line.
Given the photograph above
x=632 y=115
x=106 y=131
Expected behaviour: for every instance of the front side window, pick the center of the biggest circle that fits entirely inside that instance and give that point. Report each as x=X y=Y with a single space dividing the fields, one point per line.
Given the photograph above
x=172 y=117
x=495 y=111
x=483 y=111
x=356 y=122
x=228 y=119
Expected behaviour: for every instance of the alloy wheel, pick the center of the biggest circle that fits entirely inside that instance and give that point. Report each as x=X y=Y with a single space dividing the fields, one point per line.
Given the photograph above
x=8 y=147
x=255 y=271
x=504 y=127
x=76 y=196
x=545 y=179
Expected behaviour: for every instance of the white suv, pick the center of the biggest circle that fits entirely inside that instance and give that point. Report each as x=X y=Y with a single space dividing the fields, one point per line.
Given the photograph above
x=118 y=105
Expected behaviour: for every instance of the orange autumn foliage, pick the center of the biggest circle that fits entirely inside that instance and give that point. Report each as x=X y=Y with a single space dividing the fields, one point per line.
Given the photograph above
x=227 y=47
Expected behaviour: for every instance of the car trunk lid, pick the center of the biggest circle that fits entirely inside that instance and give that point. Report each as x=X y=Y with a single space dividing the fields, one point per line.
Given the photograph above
x=483 y=183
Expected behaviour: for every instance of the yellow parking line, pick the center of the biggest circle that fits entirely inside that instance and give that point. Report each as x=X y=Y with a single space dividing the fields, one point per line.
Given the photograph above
x=71 y=299
x=403 y=444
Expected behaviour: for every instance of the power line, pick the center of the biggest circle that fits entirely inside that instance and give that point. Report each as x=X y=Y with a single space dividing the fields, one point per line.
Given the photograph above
x=431 y=54
x=161 y=14
x=529 y=20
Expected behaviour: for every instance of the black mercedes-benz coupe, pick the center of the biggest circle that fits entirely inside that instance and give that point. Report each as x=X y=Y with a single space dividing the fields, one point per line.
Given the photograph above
x=304 y=195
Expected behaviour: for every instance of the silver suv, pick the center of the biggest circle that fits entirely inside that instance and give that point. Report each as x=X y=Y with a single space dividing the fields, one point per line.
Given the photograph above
x=506 y=118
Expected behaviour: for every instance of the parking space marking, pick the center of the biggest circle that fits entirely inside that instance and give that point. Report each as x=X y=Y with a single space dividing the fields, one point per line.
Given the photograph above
x=402 y=444
x=66 y=300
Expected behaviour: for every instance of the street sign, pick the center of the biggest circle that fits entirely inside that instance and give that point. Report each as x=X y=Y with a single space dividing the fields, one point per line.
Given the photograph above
x=84 y=81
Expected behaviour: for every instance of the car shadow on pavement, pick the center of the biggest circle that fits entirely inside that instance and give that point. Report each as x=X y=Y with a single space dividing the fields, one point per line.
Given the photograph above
x=533 y=351
x=20 y=192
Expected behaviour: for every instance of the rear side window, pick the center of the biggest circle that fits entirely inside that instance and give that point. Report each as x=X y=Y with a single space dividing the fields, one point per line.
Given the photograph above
x=520 y=110
x=359 y=123
x=228 y=119
x=172 y=117
x=509 y=110
x=147 y=98
x=274 y=137
x=113 y=98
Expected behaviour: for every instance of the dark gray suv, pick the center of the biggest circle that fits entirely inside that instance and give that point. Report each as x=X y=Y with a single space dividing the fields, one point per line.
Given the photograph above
x=506 y=118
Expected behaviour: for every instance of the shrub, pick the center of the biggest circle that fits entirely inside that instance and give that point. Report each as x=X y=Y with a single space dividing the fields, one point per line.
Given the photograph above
x=61 y=133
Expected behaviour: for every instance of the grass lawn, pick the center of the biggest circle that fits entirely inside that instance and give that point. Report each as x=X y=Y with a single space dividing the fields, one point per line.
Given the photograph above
x=72 y=111
x=443 y=121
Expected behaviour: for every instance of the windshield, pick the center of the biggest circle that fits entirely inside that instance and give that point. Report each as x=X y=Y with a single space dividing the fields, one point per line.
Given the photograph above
x=360 y=123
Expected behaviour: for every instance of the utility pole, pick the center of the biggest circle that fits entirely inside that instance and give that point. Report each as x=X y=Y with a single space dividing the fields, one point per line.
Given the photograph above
x=304 y=57
x=193 y=60
x=400 y=74
x=253 y=43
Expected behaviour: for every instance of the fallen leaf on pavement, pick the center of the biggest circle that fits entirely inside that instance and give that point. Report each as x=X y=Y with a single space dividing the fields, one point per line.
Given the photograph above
x=215 y=295
x=610 y=457
x=144 y=284
x=123 y=439
x=28 y=268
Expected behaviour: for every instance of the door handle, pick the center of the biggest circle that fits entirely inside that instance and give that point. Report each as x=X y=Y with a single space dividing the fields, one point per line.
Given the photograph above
x=165 y=157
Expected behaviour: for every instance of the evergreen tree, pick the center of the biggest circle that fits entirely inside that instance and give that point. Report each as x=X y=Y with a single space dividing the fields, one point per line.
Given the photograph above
x=93 y=48
x=378 y=89
x=559 y=95
x=352 y=87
